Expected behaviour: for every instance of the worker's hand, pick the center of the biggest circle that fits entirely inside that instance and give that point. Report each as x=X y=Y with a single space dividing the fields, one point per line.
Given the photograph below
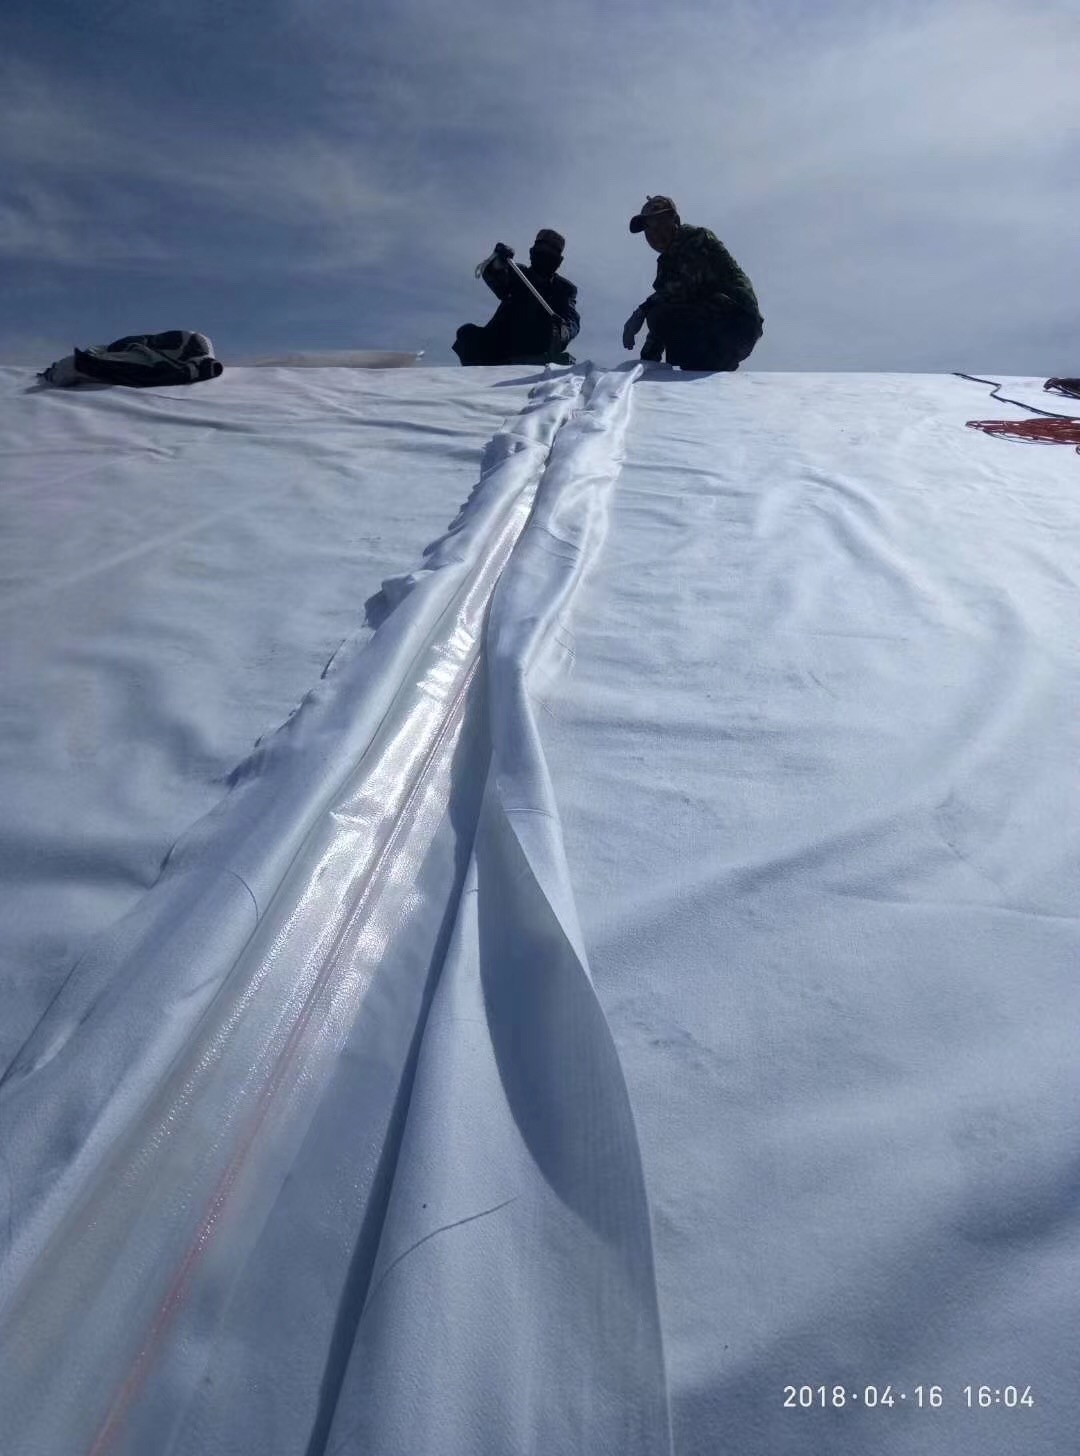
x=633 y=327
x=503 y=252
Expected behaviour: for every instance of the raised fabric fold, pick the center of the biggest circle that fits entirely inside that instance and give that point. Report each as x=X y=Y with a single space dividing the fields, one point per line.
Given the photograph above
x=275 y=1010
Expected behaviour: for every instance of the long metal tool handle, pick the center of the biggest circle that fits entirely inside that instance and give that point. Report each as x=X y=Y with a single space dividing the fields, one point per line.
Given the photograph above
x=541 y=300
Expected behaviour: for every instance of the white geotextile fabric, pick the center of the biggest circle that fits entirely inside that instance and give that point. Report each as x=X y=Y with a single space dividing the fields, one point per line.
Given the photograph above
x=817 y=766
x=741 y=779
x=177 y=566
x=385 y=863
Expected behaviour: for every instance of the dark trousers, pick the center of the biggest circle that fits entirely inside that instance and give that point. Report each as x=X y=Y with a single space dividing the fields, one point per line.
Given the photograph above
x=696 y=338
x=476 y=345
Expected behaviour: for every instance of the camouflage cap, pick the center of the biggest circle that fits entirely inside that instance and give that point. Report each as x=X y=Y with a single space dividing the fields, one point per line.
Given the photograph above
x=653 y=207
x=549 y=238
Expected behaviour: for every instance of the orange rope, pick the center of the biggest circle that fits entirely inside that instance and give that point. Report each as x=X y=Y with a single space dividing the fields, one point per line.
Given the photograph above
x=1051 y=432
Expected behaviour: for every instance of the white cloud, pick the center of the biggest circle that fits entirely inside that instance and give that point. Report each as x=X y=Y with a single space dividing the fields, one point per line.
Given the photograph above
x=885 y=171
x=892 y=177
x=95 y=170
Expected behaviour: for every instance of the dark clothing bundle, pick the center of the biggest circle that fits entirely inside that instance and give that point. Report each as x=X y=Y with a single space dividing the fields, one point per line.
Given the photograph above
x=141 y=361
x=521 y=332
x=703 y=312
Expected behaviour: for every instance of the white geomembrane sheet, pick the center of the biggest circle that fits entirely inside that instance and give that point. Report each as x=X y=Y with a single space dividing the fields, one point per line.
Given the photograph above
x=539 y=914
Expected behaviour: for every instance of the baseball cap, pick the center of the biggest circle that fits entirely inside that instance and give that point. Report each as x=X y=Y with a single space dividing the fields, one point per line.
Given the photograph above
x=653 y=207
x=550 y=239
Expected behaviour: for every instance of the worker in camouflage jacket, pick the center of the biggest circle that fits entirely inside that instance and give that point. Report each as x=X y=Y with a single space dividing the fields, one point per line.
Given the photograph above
x=703 y=312
x=521 y=330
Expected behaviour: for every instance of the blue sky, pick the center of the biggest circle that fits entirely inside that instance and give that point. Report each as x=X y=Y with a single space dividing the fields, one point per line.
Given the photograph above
x=900 y=180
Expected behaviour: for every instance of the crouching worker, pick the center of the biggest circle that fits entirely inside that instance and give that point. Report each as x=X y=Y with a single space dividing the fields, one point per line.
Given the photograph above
x=703 y=312
x=522 y=331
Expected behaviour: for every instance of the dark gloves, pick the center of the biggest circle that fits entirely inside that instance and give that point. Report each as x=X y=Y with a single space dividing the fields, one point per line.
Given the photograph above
x=503 y=252
x=633 y=326
x=560 y=335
